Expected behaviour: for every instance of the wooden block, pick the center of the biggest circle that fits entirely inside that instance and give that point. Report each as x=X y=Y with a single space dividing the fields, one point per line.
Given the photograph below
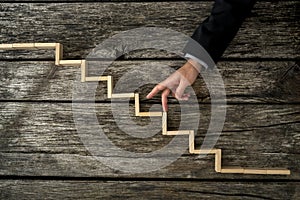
x=109 y=86
x=164 y=123
x=218 y=160
x=180 y=132
x=137 y=104
x=194 y=151
x=278 y=171
x=83 y=70
x=232 y=170
x=6 y=46
x=58 y=53
x=24 y=46
x=70 y=63
x=96 y=78
x=45 y=45
x=255 y=171
x=205 y=151
x=150 y=114
x=191 y=142
x=123 y=95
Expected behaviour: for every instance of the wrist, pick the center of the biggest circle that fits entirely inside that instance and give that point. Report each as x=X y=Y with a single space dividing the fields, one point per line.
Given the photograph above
x=194 y=64
x=189 y=71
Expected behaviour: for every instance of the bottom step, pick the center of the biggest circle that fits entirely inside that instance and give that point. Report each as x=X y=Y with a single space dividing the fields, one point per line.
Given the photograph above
x=238 y=170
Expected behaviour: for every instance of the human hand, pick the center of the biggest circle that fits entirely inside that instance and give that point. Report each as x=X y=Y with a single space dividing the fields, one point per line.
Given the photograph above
x=176 y=83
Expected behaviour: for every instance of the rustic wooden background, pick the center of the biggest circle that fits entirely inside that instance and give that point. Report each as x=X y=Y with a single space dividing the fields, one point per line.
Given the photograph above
x=42 y=155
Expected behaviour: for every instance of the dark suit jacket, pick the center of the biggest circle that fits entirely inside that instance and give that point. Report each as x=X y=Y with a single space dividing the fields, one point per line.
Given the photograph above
x=217 y=31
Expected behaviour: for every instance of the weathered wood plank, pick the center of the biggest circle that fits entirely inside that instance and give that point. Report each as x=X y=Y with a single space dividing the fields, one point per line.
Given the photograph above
x=42 y=139
x=269 y=33
x=105 y=1
x=100 y=1
x=38 y=189
x=263 y=82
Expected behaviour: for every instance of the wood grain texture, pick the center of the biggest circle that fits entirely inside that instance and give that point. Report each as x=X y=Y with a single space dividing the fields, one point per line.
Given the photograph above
x=252 y=82
x=42 y=152
x=41 y=140
x=24 y=189
x=271 y=32
x=90 y=1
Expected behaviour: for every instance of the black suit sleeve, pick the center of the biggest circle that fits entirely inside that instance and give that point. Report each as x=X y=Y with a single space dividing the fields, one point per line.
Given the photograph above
x=218 y=30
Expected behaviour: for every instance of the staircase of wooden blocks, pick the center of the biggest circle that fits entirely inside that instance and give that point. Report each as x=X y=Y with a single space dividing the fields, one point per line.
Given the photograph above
x=109 y=79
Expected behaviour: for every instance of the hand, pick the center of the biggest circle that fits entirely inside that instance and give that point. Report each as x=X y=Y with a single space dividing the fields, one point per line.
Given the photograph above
x=176 y=83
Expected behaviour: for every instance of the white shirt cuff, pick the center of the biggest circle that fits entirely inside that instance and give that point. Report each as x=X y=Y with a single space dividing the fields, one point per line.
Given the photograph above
x=187 y=55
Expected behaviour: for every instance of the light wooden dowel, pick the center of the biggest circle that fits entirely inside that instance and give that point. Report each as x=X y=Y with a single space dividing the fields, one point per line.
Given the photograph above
x=109 y=86
x=23 y=46
x=255 y=171
x=278 y=171
x=58 y=53
x=164 y=123
x=83 y=70
x=232 y=170
x=6 y=46
x=137 y=104
x=70 y=63
x=180 y=132
x=150 y=114
x=45 y=45
x=218 y=160
x=191 y=142
x=123 y=95
x=96 y=78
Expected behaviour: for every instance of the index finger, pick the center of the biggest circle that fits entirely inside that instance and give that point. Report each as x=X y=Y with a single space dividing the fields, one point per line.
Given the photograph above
x=164 y=99
x=155 y=90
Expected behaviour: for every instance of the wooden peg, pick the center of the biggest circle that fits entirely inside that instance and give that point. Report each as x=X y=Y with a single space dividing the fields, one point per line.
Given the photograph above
x=123 y=95
x=164 y=123
x=255 y=171
x=83 y=70
x=109 y=86
x=45 y=45
x=218 y=160
x=232 y=170
x=180 y=132
x=58 y=53
x=205 y=151
x=191 y=142
x=278 y=171
x=23 y=46
x=6 y=46
x=70 y=63
x=150 y=114
x=137 y=104
x=96 y=78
